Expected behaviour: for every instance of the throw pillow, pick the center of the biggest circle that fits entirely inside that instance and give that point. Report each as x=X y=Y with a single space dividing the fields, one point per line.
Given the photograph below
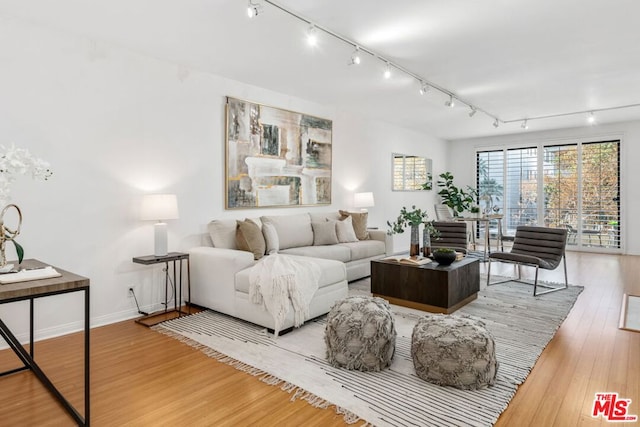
x=345 y=231
x=249 y=238
x=294 y=230
x=271 y=238
x=223 y=233
x=359 y=223
x=324 y=233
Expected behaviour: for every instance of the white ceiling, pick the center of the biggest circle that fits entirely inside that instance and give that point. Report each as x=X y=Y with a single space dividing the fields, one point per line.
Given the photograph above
x=513 y=58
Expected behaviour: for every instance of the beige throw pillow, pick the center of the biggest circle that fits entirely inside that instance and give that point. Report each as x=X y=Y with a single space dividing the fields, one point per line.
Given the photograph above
x=324 y=233
x=249 y=238
x=359 y=223
x=345 y=231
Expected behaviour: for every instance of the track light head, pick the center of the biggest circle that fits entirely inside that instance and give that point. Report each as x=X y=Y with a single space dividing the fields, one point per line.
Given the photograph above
x=355 y=57
x=496 y=123
x=253 y=9
x=387 y=71
x=450 y=102
x=524 y=125
x=312 y=36
x=473 y=111
x=591 y=119
x=424 y=88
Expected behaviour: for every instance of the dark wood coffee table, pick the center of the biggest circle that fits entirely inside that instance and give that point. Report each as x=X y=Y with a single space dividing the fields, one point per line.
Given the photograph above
x=430 y=287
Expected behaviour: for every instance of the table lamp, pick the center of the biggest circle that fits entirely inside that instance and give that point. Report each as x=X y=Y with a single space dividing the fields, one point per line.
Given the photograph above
x=159 y=207
x=363 y=201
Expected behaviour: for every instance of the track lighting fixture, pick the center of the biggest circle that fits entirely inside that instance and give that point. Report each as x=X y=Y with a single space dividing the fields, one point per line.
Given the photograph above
x=387 y=71
x=312 y=36
x=253 y=9
x=450 y=102
x=355 y=57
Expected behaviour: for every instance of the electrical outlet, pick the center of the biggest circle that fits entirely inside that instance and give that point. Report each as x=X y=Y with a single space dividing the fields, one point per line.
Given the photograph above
x=131 y=290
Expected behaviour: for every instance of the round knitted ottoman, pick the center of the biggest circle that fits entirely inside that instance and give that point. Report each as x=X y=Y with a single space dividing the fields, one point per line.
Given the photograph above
x=360 y=334
x=454 y=350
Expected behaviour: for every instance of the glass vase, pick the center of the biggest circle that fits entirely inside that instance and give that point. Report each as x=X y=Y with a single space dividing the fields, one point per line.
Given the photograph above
x=414 y=248
x=426 y=242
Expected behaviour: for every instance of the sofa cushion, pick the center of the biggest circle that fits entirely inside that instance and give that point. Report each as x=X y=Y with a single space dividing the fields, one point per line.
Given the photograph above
x=324 y=233
x=249 y=238
x=331 y=272
x=345 y=231
x=270 y=238
x=293 y=230
x=223 y=233
x=365 y=249
x=335 y=252
x=359 y=223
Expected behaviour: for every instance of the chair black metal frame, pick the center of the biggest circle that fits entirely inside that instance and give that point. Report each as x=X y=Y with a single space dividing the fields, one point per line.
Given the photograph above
x=539 y=247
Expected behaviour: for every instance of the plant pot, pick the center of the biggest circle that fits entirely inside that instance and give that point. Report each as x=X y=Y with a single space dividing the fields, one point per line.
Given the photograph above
x=414 y=248
x=444 y=258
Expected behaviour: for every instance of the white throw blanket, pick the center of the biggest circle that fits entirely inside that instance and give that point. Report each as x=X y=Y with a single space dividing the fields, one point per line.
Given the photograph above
x=277 y=279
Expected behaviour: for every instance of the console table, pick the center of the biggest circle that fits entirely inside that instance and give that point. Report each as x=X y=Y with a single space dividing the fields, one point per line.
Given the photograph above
x=176 y=258
x=30 y=290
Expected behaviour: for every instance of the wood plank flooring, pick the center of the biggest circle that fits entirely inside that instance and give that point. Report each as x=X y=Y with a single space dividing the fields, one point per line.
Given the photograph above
x=142 y=378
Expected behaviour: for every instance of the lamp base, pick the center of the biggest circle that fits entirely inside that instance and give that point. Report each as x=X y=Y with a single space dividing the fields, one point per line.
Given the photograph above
x=160 y=239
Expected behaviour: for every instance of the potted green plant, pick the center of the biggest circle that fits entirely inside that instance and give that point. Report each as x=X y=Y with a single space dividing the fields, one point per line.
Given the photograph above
x=458 y=199
x=412 y=218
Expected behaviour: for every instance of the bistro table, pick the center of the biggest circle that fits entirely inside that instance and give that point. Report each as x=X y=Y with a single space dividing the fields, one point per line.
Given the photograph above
x=485 y=220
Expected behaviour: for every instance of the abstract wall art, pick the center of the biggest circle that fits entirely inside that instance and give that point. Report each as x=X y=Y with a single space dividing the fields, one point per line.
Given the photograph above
x=275 y=157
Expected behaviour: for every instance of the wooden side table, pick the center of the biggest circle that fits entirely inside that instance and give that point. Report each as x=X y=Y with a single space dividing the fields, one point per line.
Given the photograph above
x=176 y=258
x=30 y=290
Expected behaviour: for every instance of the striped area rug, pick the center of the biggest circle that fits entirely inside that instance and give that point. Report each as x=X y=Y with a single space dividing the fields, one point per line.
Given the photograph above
x=521 y=324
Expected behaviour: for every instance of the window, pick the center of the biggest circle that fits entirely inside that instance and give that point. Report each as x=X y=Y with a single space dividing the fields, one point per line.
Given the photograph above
x=574 y=186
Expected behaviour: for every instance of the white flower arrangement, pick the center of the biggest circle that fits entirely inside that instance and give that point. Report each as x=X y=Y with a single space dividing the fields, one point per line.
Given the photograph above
x=19 y=161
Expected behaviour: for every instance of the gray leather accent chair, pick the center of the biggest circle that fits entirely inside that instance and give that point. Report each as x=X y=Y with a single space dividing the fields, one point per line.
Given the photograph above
x=538 y=247
x=453 y=234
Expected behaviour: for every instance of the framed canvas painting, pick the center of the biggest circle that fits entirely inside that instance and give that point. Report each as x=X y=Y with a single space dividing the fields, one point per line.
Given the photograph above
x=275 y=157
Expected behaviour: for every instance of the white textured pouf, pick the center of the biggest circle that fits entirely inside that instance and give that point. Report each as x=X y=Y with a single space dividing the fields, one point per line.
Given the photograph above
x=454 y=350
x=360 y=334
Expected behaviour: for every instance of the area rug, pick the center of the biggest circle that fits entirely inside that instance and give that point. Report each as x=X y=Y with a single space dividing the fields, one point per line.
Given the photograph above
x=521 y=324
x=630 y=313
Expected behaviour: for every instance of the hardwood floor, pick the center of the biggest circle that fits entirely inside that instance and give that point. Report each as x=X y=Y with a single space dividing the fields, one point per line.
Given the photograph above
x=142 y=378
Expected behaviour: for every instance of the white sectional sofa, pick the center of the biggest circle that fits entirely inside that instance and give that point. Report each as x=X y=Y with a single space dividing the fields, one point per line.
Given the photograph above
x=220 y=273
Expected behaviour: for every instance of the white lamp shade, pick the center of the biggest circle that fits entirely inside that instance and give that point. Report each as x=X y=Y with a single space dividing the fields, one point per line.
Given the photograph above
x=158 y=207
x=363 y=200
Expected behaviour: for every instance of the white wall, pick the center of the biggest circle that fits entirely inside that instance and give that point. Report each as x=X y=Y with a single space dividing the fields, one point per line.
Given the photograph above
x=115 y=125
x=463 y=168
